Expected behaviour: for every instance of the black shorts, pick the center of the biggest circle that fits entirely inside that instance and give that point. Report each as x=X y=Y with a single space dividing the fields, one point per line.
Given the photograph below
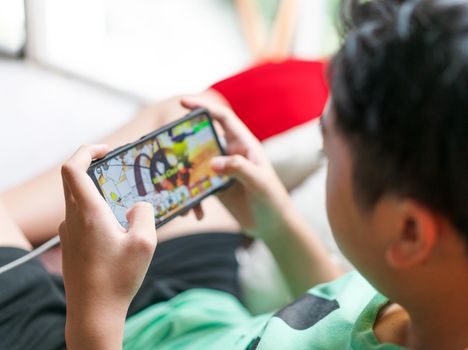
x=32 y=301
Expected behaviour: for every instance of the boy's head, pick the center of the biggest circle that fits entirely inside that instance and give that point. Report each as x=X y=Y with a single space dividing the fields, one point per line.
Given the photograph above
x=396 y=134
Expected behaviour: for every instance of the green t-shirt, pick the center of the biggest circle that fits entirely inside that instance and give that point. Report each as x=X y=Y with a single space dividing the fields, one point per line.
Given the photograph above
x=336 y=315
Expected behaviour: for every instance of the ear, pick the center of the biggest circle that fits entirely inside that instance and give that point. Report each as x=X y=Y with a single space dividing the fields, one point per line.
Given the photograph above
x=417 y=233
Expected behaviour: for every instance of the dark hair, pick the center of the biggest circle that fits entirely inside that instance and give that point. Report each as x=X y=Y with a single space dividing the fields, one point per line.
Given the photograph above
x=400 y=94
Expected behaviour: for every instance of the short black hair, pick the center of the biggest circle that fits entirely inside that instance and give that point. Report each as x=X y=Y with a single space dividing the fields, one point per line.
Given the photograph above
x=399 y=88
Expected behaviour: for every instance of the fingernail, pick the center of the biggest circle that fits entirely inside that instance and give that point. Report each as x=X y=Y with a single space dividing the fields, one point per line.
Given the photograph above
x=218 y=163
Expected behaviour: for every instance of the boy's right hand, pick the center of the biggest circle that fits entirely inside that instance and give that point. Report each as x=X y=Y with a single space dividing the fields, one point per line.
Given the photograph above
x=258 y=200
x=103 y=263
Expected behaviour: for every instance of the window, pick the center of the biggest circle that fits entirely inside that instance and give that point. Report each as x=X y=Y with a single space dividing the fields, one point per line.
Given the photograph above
x=150 y=48
x=156 y=48
x=12 y=27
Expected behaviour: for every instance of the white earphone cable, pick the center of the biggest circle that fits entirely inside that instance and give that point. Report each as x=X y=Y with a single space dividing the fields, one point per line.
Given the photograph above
x=31 y=255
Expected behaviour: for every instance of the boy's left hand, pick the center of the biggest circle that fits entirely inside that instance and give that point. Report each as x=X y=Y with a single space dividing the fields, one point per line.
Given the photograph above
x=103 y=263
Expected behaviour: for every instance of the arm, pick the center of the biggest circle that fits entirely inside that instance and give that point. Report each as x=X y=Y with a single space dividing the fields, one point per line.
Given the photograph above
x=103 y=263
x=300 y=255
x=262 y=205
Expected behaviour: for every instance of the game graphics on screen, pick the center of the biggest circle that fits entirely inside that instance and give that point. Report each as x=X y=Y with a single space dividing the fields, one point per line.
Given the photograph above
x=171 y=171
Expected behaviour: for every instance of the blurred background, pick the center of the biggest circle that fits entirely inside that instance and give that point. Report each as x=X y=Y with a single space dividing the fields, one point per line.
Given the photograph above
x=73 y=70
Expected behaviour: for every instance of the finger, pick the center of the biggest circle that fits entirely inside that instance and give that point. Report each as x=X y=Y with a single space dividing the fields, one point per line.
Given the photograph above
x=219 y=112
x=239 y=138
x=238 y=167
x=141 y=224
x=62 y=230
x=77 y=181
x=69 y=200
x=223 y=115
x=199 y=213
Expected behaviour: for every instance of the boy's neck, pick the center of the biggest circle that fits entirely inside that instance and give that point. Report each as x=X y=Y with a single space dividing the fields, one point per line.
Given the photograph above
x=443 y=327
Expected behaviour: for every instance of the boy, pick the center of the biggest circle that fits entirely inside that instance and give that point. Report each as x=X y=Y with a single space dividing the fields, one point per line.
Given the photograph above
x=395 y=134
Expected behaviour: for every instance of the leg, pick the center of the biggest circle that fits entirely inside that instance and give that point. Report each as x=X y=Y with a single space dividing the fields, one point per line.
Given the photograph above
x=252 y=26
x=194 y=261
x=33 y=308
x=283 y=30
x=40 y=223
x=268 y=47
x=10 y=233
x=32 y=305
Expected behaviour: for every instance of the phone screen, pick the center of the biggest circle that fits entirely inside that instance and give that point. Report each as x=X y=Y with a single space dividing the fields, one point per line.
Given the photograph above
x=170 y=169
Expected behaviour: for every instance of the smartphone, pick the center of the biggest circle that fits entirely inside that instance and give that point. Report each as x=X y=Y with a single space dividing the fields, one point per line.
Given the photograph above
x=169 y=168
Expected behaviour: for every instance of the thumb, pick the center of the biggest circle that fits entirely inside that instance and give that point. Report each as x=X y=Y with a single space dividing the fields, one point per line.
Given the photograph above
x=141 y=225
x=240 y=168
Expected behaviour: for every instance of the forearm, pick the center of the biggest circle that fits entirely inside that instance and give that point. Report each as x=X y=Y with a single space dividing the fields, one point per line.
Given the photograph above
x=302 y=258
x=97 y=327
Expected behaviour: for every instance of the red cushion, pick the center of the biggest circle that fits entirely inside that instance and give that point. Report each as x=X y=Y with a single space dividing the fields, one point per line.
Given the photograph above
x=273 y=97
